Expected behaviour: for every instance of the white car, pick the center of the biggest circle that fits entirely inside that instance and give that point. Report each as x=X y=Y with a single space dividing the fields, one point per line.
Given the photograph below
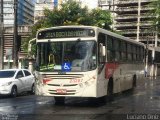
x=15 y=81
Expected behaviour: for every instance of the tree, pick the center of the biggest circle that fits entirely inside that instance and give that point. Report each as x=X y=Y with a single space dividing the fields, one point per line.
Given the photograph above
x=101 y=18
x=71 y=13
x=156 y=12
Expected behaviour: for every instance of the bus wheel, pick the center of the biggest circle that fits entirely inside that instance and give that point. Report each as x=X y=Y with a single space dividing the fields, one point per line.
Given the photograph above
x=59 y=100
x=134 y=81
x=110 y=90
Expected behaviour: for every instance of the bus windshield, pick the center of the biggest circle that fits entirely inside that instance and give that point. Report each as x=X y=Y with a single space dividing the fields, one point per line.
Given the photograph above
x=70 y=56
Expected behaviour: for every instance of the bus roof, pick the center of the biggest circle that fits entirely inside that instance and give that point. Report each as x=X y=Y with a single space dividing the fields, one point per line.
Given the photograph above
x=119 y=36
x=97 y=29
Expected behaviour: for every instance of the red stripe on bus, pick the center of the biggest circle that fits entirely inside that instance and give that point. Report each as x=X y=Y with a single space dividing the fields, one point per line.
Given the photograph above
x=110 y=68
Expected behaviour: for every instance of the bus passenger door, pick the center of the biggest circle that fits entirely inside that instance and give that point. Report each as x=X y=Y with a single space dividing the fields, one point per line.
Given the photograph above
x=102 y=82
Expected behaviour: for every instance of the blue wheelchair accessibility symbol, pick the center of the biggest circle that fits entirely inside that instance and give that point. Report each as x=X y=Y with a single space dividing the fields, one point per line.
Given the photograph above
x=66 y=67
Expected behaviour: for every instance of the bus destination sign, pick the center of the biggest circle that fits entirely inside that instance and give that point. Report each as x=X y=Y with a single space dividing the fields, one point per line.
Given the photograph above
x=66 y=33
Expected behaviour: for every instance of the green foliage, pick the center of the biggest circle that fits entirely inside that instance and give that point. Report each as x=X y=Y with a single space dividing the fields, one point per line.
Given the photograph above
x=71 y=13
x=155 y=12
x=101 y=18
x=25 y=44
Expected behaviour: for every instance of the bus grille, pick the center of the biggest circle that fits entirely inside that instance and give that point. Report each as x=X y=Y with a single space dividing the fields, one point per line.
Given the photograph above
x=63 y=94
x=65 y=85
x=62 y=77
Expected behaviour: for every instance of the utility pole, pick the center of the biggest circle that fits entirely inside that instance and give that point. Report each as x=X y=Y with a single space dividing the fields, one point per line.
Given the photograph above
x=1 y=36
x=138 y=19
x=15 y=50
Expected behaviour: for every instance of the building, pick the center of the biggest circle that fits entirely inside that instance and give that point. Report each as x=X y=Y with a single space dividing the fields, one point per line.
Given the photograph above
x=132 y=19
x=25 y=18
x=25 y=11
x=41 y=5
x=107 y=4
x=91 y=4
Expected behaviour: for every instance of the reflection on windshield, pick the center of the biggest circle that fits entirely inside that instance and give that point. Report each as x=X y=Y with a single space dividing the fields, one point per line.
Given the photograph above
x=6 y=74
x=67 y=56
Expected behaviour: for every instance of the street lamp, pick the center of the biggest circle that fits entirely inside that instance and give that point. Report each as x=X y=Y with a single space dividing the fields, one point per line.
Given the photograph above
x=15 y=50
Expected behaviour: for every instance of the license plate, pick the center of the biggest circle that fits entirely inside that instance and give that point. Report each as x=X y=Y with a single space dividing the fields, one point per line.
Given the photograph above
x=61 y=91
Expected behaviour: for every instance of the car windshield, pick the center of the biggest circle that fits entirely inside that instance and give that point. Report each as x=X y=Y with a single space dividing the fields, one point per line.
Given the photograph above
x=67 y=56
x=7 y=74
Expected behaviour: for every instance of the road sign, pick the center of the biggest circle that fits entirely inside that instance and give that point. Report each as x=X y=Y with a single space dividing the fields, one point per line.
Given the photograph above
x=66 y=67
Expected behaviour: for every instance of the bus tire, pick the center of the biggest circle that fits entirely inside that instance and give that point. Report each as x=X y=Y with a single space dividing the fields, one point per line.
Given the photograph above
x=59 y=100
x=134 y=81
x=110 y=89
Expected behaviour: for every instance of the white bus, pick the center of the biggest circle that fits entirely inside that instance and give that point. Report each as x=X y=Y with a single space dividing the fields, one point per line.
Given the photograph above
x=86 y=61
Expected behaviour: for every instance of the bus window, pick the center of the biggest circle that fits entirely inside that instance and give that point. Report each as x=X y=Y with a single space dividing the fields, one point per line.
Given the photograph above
x=123 y=49
x=110 y=56
x=129 y=52
x=116 y=44
x=134 y=52
x=54 y=52
x=118 y=56
x=138 y=53
x=81 y=50
x=81 y=56
x=116 y=47
x=141 y=53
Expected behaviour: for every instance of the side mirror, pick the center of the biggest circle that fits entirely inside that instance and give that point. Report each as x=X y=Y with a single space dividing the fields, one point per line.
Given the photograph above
x=102 y=49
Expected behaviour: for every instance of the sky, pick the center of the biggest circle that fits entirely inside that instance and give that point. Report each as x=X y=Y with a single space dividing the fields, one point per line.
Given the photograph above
x=90 y=3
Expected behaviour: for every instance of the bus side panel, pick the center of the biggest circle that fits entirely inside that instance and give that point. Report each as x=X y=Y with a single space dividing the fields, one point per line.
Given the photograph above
x=113 y=72
x=110 y=69
x=122 y=75
x=102 y=83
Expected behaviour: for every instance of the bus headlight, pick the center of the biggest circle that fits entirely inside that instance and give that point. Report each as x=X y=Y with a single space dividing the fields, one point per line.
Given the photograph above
x=46 y=80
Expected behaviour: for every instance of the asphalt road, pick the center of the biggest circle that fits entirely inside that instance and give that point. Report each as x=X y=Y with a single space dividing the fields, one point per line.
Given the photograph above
x=143 y=103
